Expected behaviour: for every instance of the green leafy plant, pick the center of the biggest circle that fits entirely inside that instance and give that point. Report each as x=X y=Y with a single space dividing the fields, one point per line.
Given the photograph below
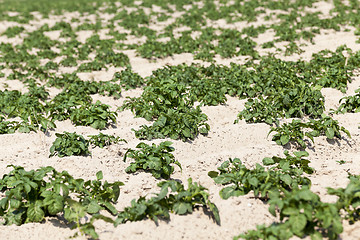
x=154 y=159
x=101 y=140
x=110 y=57
x=128 y=79
x=158 y=97
x=182 y=202
x=296 y=131
x=26 y=106
x=350 y=103
x=8 y=127
x=296 y=161
x=95 y=115
x=274 y=89
x=349 y=199
x=69 y=144
x=301 y=214
x=91 y=66
x=242 y=180
x=30 y=196
x=292 y=132
x=176 y=125
x=294 y=101
x=326 y=126
x=11 y=32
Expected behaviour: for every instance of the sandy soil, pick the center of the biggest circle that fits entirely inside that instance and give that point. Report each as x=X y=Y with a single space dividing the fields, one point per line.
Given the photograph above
x=248 y=142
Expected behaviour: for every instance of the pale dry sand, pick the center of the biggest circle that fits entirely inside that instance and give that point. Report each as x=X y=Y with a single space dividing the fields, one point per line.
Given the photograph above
x=248 y=142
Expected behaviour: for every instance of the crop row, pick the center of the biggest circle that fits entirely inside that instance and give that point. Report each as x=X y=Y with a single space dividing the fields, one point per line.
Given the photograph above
x=290 y=25
x=32 y=195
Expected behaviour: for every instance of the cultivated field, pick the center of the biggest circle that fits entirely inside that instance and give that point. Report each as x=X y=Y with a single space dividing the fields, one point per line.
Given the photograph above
x=212 y=119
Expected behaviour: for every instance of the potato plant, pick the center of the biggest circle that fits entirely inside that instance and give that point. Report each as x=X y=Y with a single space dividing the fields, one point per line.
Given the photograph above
x=180 y=201
x=295 y=131
x=157 y=160
x=69 y=144
x=101 y=140
x=301 y=214
x=30 y=196
x=350 y=103
x=242 y=180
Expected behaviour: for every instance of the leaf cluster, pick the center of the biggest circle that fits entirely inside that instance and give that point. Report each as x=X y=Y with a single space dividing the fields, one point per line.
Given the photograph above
x=102 y=140
x=30 y=196
x=128 y=79
x=180 y=201
x=73 y=144
x=301 y=213
x=349 y=199
x=11 y=32
x=295 y=131
x=291 y=102
x=296 y=161
x=350 y=103
x=8 y=127
x=28 y=107
x=80 y=110
x=176 y=125
x=157 y=160
x=259 y=180
x=69 y=144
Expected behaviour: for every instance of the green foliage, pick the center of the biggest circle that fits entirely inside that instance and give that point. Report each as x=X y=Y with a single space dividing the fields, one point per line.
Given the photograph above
x=292 y=132
x=69 y=144
x=301 y=214
x=350 y=103
x=95 y=115
x=328 y=127
x=334 y=69
x=296 y=161
x=28 y=107
x=176 y=125
x=158 y=97
x=45 y=7
x=15 y=104
x=80 y=110
x=72 y=85
x=230 y=40
x=95 y=65
x=273 y=88
x=11 y=32
x=115 y=59
x=8 y=127
x=243 y=180
x=72 y=144
x=128 y=79
x=183 y=202
x=295 y=131
x=30 y=196
x=349 y=199
x=292 y=89
x=296 y=102
x=306 y=213
x=101 y=140
x=166 y=100
x=68 y=62
x=153 y=159
x=279 y=231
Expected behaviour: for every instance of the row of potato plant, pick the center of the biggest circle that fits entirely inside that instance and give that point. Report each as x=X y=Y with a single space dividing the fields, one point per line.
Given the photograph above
x=30 y=196
x=289 y=25
x=281 y=184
